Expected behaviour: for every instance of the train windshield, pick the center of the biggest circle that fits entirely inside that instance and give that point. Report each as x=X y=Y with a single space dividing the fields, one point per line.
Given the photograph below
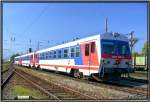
x=123 y=48
x=108 y=48
x=115 y=47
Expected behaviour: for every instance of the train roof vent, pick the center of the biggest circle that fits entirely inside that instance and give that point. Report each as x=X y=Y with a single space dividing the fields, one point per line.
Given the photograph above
x=115 y=34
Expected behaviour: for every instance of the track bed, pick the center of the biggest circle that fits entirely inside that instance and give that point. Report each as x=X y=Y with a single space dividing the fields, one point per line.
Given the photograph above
x=100 y=90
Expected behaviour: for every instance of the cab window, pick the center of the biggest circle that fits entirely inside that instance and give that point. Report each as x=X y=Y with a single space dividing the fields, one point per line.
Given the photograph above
x=86 y=49
x=93 y=47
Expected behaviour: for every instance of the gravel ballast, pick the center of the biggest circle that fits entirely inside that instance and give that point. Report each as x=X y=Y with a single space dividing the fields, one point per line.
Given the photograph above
x=98 y=91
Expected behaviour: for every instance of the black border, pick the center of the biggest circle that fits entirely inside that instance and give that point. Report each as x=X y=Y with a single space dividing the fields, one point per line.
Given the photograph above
x=77 y=1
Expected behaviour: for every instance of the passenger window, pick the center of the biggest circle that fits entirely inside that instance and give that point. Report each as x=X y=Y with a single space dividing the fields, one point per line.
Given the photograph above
x=59 y=53
x=93 y=47
x=77 y=52
x=46 y=55
x=72 y=52
x=50 y=54
x=40 y=56
x=43 y=56
x=54 y=54
x=65 y=53
x=86 y=49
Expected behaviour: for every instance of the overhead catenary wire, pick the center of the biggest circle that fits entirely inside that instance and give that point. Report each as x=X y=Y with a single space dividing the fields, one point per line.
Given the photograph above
x=31 y=24
x=35 y=20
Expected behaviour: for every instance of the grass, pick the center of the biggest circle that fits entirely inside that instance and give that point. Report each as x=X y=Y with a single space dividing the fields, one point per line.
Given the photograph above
x=25 y=91
x=5 y=66
x=140 y=73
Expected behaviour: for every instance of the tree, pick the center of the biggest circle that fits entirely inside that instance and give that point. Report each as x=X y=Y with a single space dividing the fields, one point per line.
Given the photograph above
x=135 y=54
x=13 y=56
x=132 y=41
x=145 y=48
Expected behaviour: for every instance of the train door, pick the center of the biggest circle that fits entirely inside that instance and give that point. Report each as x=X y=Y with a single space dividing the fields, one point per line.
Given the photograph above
x=85 y=55
x=93 y=55
x=20 y=61
x=32 y=60
x=90 y=57
x=36 y=59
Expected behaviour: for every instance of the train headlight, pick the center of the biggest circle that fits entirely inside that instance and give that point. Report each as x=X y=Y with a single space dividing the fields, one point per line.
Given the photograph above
x=108 y=62
x=105 y=62
x=129 y=63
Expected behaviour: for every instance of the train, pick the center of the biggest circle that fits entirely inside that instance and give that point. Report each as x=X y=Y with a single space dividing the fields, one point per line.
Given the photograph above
x=100 y=56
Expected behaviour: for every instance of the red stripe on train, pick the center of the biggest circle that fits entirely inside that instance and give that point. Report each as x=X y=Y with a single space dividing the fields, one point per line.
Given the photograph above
x=116 y=56
x=76 y=67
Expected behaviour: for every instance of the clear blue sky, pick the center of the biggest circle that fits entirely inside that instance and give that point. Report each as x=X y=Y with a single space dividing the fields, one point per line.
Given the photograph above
x=57 y=22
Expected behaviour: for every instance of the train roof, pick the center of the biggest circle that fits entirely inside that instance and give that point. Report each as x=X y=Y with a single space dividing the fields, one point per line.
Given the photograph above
x=114 y=36
x=25 y=55
x=72 y=43
x=107 y=35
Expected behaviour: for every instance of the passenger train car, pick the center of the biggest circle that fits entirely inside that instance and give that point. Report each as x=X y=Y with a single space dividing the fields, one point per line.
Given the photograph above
x=100 y=55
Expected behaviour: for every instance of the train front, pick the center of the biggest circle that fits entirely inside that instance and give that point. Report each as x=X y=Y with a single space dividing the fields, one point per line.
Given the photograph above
x=115 y=55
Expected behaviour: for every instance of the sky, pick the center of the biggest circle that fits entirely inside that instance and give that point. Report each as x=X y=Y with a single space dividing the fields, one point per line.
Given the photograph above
x=26 y=24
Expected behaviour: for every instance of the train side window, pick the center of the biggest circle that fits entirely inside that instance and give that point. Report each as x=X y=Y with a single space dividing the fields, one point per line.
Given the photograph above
x=65 y=53
x=36 y=56
x=59 y=53
x=78 y=51
x=50 y=54
x=40 y=55
x=86 y=49
x=93 y=47
x=46 y=55
x=43 y=56
x=54 y=54
x=72 y=52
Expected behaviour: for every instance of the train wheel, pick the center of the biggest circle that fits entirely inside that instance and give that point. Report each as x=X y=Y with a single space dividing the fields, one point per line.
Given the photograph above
x=38 y=67
x=29 y=66
x=81 y=74
x=77 y=74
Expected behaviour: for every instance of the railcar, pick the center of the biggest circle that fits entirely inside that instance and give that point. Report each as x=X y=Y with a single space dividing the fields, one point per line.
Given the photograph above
x=24 y=60
x=100 y=56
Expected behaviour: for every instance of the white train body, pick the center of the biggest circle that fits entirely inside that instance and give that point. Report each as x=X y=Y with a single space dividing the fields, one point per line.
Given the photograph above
x=88 y=55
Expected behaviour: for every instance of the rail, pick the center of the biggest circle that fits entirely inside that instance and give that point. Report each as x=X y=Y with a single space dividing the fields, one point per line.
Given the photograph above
x=52 y=89
x=9 y=75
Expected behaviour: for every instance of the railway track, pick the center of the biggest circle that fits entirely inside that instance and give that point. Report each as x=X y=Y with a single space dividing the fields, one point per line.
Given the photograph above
x=136 y=80
x=6 y=75
x=116 y=85
x=123 y=85
x=54 y=90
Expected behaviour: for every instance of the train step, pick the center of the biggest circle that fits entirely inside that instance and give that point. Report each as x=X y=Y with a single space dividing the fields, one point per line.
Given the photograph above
x=96 y=77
